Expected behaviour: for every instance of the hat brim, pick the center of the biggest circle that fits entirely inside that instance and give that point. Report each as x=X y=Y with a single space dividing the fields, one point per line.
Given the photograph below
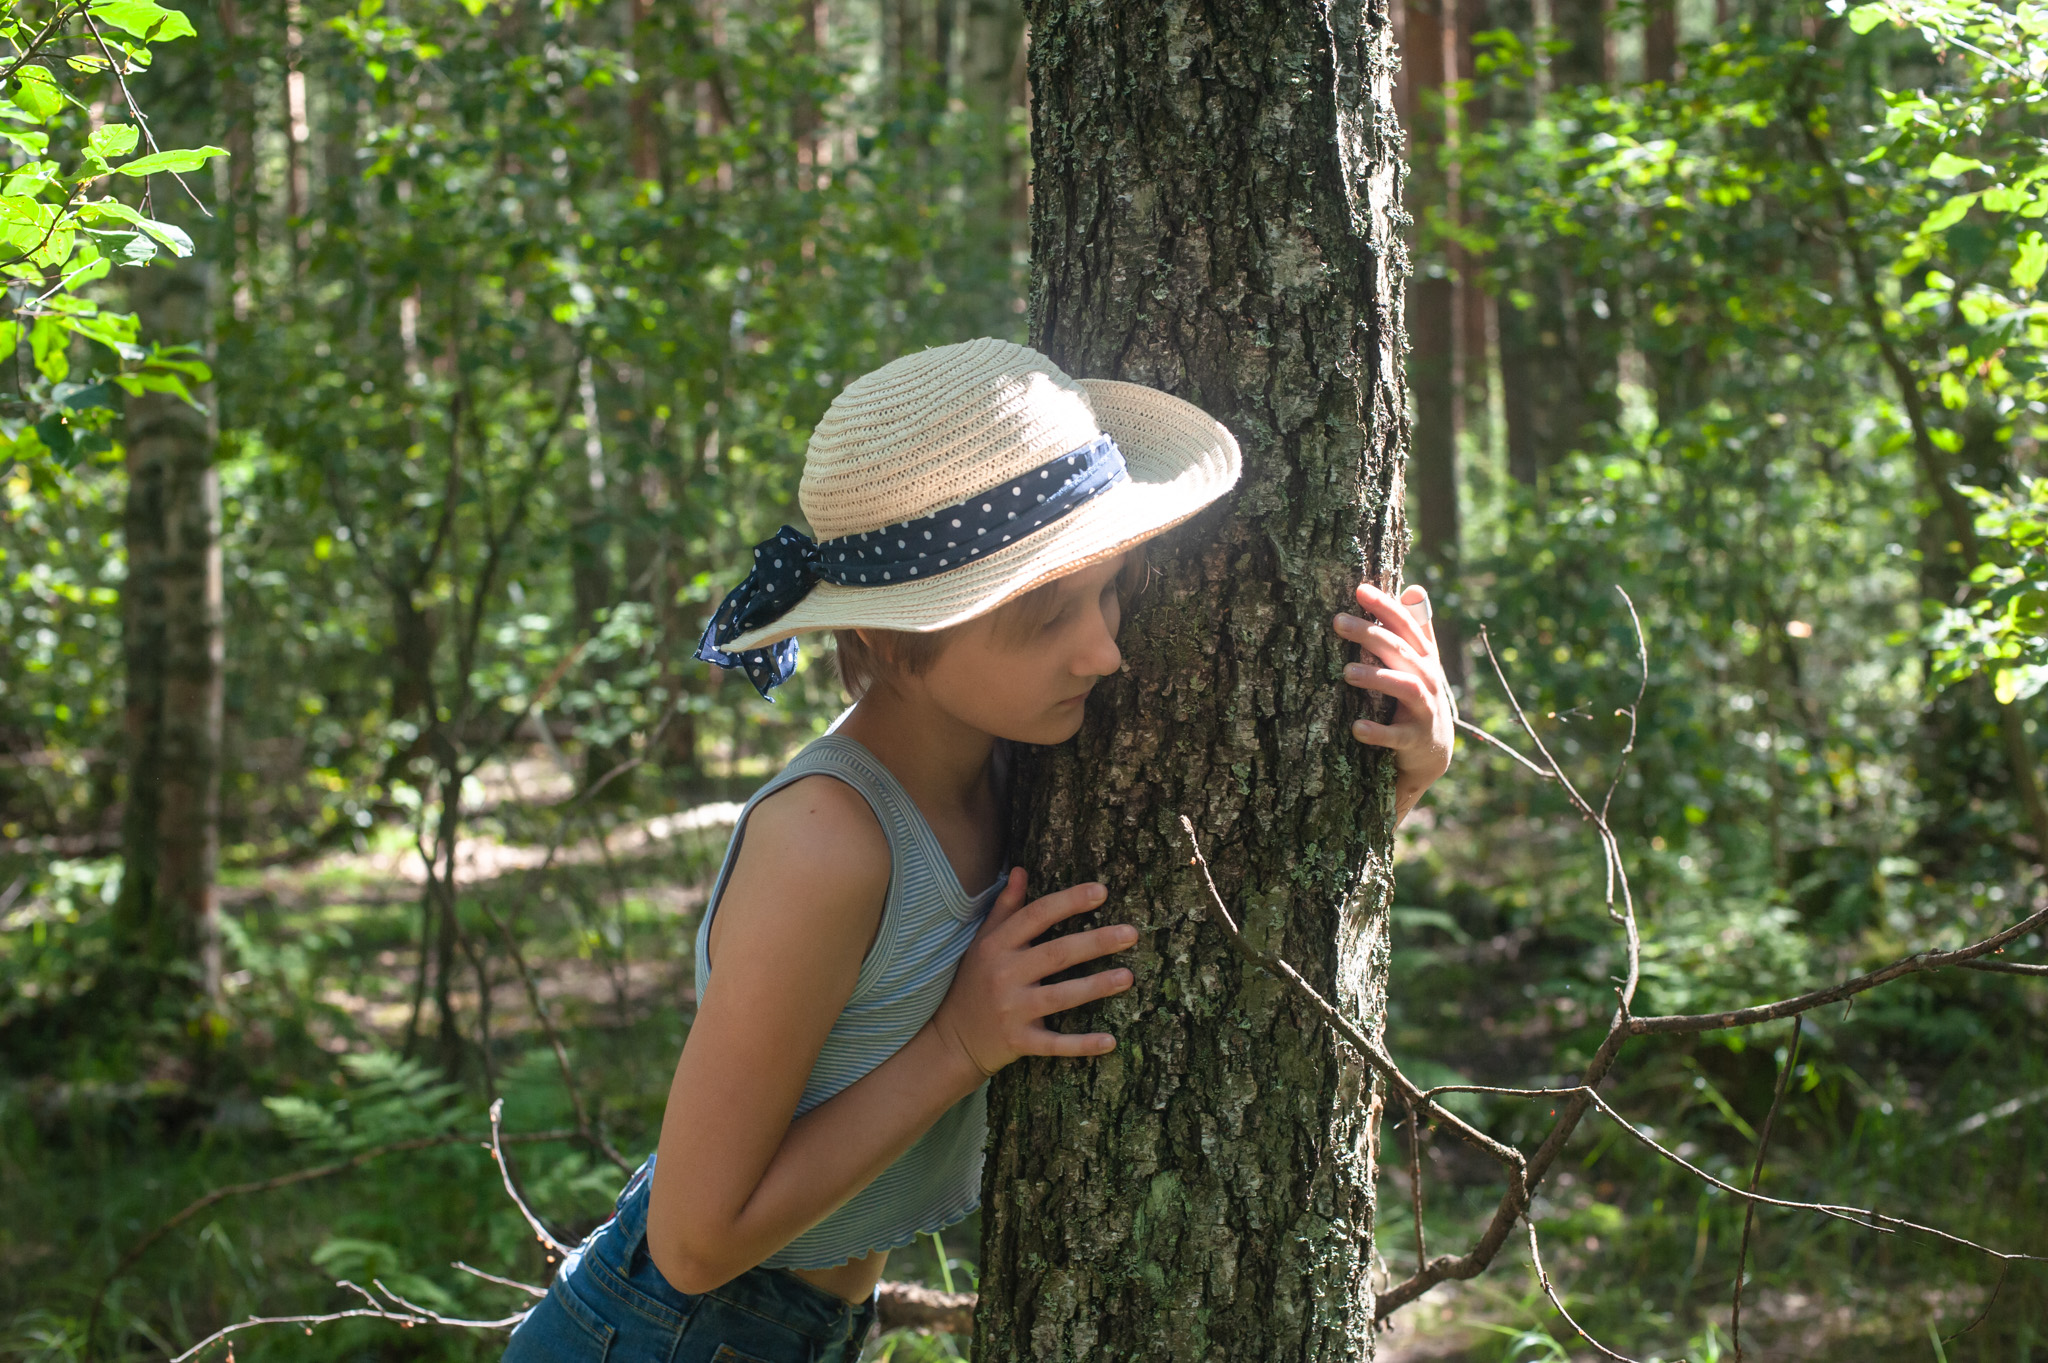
x=1179 y=459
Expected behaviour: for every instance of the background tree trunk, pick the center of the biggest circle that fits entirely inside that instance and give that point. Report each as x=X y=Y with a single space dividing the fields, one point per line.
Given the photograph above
x=167 y=918
x=1432 y=304
x=1215 y=213
x=175 y=307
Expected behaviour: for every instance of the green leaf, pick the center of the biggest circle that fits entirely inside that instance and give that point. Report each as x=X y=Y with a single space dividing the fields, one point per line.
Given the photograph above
x=2032 y=261
x=1864 y=18
x=143 y=19
x=56 y=438
x=115 y=139
x=1947 y=165
x=177 y=161
x=36 y=92
x=1940 y=220
x=48 y=340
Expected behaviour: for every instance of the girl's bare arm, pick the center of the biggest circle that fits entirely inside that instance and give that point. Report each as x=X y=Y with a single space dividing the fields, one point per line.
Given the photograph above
x=737 y=1179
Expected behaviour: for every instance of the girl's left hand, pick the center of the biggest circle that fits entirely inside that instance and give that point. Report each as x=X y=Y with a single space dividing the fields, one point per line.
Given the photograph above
x=1400 y=660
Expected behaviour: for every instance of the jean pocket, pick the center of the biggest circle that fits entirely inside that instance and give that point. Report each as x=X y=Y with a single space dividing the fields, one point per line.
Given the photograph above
x=562 y=1328
x=727 y=1354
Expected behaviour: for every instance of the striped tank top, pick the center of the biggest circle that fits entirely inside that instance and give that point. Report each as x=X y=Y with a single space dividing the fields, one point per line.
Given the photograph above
x=927 y=923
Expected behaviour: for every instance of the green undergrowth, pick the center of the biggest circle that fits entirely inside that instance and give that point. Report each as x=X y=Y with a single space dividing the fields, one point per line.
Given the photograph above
x=1928 y=1100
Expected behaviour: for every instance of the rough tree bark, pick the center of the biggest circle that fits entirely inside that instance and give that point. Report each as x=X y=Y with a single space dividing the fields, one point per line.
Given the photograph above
x=1216 y=212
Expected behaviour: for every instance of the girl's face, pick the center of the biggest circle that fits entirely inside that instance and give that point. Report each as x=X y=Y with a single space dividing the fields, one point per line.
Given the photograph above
x=1025 y=675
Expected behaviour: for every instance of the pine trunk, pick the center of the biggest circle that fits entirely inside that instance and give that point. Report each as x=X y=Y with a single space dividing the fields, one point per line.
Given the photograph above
x=1216 y=212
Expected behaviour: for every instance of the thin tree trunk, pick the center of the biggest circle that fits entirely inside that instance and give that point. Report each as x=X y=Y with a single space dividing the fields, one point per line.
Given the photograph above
x=1588 y=55
x=172 y=443
x=643 y=106
x=1432 y=289
x=988 y=87
x=1215 y=213
x=136 y=920
x=298 y=132
x=1660 y=41
x=1475 y=306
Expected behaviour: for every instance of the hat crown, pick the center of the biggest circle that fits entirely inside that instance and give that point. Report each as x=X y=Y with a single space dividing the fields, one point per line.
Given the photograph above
x=931 y=430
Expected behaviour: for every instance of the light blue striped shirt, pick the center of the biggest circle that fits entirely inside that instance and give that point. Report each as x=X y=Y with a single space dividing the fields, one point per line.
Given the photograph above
x=927 y=923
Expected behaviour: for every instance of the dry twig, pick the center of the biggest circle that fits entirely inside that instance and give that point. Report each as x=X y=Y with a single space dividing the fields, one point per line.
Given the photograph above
x=1525 y=1171
x=1756 y=1178
x=265 y=1185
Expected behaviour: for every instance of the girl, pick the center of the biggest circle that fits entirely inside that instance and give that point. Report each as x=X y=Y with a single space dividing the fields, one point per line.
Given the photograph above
x=977 y=513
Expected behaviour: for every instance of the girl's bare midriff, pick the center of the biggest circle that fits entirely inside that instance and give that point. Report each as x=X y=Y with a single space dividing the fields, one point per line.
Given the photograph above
x=854 y=1280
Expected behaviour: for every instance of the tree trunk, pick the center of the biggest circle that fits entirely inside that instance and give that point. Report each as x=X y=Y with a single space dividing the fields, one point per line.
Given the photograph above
x=1660 y=41
x=1432 y=288
x=1588 y=55
x=137 y=921
x=1216 y=213
x=989 y=82
x=175 y=650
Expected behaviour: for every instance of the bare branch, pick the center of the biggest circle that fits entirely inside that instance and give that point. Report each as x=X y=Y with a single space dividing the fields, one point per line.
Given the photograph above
x=1756 y=1178
x=1415 y=1184
x=406 y=1314
x=1803 y=1003
x=355 y=1161
x=540 y=1231
x=1634 y=708
x=1543 y=1277
x=1989 y=1302
x=2007 y=968
x=1468 y=727
x=528 y=1288
x=1375 y=1055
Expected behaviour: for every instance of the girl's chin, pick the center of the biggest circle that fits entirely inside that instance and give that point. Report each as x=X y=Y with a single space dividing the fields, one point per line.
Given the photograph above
x=1056 y=725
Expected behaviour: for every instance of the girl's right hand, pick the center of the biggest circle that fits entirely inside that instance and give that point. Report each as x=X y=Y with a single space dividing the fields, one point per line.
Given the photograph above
x=996 y=1009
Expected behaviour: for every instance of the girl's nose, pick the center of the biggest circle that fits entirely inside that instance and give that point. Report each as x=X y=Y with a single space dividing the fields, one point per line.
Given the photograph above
x=1099 y=656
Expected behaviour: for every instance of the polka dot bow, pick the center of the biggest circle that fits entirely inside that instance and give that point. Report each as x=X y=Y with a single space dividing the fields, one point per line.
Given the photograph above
x=788 y=563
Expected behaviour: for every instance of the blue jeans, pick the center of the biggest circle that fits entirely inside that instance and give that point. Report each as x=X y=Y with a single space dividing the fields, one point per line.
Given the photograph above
x=610 y=1304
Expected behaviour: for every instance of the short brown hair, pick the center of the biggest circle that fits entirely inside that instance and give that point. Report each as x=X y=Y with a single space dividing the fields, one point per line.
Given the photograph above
x=911 y=653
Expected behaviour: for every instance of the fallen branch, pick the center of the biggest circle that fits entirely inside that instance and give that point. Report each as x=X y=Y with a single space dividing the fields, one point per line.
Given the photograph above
x=908 y=1306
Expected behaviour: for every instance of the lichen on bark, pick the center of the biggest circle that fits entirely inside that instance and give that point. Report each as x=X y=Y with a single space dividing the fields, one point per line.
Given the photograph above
x=1216 y=213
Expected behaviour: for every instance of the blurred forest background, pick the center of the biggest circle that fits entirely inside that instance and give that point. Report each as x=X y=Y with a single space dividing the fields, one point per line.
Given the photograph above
x=354 y=773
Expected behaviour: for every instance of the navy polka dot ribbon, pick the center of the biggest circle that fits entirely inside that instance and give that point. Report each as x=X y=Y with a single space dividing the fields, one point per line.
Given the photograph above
x=789 y=562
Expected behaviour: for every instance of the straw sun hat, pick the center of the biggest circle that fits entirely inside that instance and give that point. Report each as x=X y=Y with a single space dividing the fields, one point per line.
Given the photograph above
x=951 y=481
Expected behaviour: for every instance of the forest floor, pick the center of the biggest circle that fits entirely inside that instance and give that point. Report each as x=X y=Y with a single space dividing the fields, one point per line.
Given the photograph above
x=320 y=1000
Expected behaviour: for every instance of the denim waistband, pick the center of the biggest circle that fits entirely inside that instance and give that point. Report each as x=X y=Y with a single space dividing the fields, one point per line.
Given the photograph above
x=773 y=1293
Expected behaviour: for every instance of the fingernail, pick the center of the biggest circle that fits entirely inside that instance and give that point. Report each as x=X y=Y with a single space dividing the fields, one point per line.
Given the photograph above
x=1354 y=672
x=1128 y=936
x=1361 y=727
x=1097 y=893
x=1125 y=978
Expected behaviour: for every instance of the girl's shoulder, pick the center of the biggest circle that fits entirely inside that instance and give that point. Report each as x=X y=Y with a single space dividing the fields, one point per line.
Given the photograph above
x=813 y=866
x=818 y=818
